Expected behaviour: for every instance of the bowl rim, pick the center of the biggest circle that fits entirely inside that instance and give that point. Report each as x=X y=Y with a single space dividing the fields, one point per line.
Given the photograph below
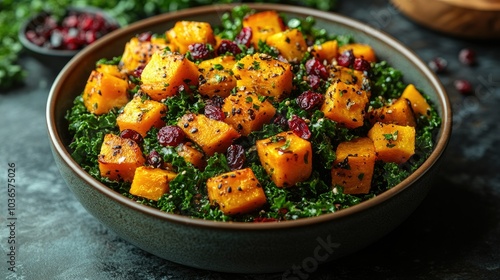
x=440 y=145
x=21 y=34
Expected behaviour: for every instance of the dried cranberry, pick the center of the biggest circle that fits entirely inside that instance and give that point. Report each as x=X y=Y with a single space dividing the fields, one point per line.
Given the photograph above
x=314 y=81
x=463 y=86
x=281 y=121
x=227 y=46
x=346 y=59
x=467 y=56
x=264 y=220
x=309 y=99
x=145 y=36
x=199 y=51
x=216 y=101
x=132 y=134
x=315 y=67
x=170 y=135
x=299 y=127
x=438 y=64
x=361 y=65
x=244 y=37
x=138 y=71
x=213 y=112
x=236 y=158
x=154 y=159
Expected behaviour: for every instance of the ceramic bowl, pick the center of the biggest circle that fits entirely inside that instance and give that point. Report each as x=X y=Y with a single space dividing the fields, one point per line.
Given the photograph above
x=56 y=58
x=245 y=247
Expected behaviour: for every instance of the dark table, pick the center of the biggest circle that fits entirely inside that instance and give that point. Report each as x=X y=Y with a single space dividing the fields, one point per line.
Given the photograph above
x=454 y=234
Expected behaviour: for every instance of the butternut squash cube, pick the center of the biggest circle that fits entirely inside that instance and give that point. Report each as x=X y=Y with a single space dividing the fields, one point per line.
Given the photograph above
x=246 y=112
x=185 y=33
x=151 y=183
x=290 y=43
x=216 y=76
x=326 y=51
x=399 y=112
x=191 y=155
x=141 y=115
x=111 y=69
x=351 y=77
x=236 y=192
x=264 y=75
x=211 y=135
x=418 y=102
x=393 y=143
x=165 y=73
x=360 y=50
x=263 y=25
x=286 y=157
x=104 y=92
x=345 y=104
x=353 y=168
x=119 y=158
x=138 y=53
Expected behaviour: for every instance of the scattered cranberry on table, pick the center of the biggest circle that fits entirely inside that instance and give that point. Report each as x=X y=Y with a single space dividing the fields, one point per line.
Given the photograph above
x=438 y=64
x=75 y=31
x=463 y=86
x=467 y=56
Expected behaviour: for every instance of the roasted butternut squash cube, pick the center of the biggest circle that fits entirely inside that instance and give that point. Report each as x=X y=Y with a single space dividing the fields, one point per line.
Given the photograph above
x=138 y=53
x=353 y=168
x=418 y=102
x=290 y=43
x=286 y=157
x=111 y=69
x=191 y=155
x=104 y=92
x=264 y=75
x=141 y=115
x=263 y=25
x=399 y=112
x=345 y=104
x=351 y=77
x=119 y=158
x=246 y=112
x=236 y=192
x=326 y=51
x=360 y=51
x=216 y=76
x=166 y=73
x=211 y=135
x=151 y=183
x=185 y=33
x=393 y=143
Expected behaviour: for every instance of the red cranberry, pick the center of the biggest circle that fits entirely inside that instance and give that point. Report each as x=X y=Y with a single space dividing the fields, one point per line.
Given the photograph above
x=315 y=67
x=438 y=64
x=199 y=51
x=346 y=59
x=244 y=37
x=281 y=121
x=132 y=134
x=145 y=36
x=214 y=112
x=309 y=99
x=463 y=86
x=138 y=71
x=361 y=65
x=467 y=56
x=299 y=127
x=228 y=46
x=236 y=157
x=154 y=159
x=170 y=135
x=314 y=81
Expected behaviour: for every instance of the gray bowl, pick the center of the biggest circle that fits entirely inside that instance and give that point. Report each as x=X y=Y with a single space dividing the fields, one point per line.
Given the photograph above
x=245 y=247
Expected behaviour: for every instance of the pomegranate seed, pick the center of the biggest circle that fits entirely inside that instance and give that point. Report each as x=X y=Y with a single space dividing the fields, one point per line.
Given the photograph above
x=145 y=37
x=315 y=67
x=236 y=157
x=467 y=56
x=361 y=65
x=132 y=134
x=199 y=51
x=154 y=159
x=70 y=21
x=228 y=46
x=244 y=37
x=438 y=64
x=299 y=127
x=463 y=86
x=214 y=112
x=90 y=37
x=346 y=59
x=309 y=99
x=170 y=135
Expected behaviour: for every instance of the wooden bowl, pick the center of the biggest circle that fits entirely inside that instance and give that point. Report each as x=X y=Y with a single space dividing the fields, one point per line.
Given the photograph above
x=478 y=19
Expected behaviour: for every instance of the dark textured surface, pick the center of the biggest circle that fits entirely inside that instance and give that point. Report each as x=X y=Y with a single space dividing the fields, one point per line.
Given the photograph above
x=454 y=234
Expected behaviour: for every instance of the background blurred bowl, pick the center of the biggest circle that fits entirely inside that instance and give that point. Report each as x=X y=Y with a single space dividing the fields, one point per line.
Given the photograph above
x=55 y=57
x=245 y=247
x=461 y=18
